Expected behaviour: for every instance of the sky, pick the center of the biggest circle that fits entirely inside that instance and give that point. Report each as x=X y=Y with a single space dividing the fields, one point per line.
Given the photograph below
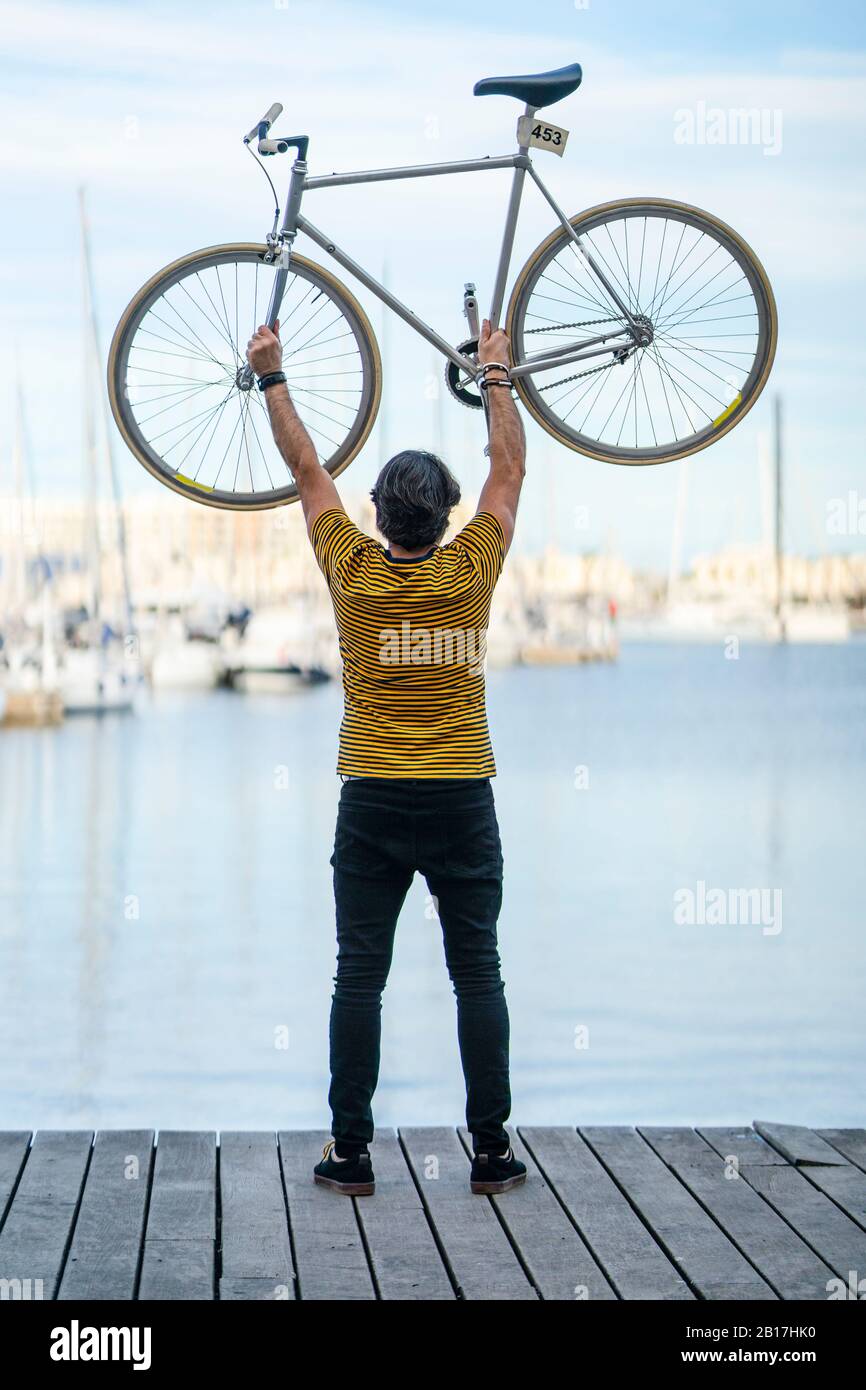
x=146 y=106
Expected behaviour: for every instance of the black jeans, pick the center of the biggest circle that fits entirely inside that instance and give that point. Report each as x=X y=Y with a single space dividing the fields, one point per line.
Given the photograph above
x=447 y=830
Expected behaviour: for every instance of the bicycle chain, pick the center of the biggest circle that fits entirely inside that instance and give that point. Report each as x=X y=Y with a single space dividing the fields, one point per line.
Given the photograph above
x=564 y=380
x=586 y=323
x=590 y=371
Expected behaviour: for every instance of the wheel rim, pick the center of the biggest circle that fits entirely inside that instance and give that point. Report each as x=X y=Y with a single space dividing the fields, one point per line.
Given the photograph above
x=179 y=388
x=709 y=310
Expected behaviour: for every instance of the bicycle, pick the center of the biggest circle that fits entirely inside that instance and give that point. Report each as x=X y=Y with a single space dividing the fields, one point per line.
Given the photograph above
x=664 y=313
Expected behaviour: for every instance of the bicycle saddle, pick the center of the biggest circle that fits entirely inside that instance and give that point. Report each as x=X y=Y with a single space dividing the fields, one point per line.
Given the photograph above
x=541 y=90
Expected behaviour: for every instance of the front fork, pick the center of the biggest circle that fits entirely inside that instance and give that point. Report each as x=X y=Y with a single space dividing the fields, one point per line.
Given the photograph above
x=279 y=253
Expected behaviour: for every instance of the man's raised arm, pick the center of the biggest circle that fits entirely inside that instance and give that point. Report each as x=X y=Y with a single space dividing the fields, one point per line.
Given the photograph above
x=315 y=486
x=501 y=492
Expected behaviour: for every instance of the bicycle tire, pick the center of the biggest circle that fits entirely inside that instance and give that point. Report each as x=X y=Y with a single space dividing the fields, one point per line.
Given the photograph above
x=528 y=390
x=153 y=290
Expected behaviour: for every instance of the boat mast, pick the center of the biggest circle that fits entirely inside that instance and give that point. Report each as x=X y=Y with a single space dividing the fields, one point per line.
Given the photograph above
x=777 y=450
x=18 y=568
x=93 y=357
x=384 y=407
x=92 y=547
x=675 y=562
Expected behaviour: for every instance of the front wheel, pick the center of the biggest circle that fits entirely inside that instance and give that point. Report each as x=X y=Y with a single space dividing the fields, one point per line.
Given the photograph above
x=180 y=396
x=703 y=302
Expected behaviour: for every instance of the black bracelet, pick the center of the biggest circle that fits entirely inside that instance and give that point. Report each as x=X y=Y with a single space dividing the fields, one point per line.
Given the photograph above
x=272 y=379
x=493 y=381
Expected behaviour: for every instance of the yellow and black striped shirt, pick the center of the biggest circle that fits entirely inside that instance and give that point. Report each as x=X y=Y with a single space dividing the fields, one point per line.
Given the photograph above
x=413 y=641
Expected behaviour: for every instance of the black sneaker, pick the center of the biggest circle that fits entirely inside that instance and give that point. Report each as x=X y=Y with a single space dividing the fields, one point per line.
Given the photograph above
x=351 y=1176
x=496 y=1172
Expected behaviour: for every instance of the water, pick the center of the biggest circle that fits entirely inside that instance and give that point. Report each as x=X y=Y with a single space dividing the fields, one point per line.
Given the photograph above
x=166 y=933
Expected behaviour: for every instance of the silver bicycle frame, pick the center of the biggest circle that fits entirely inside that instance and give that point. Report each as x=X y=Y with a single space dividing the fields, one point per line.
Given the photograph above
x=294 y=222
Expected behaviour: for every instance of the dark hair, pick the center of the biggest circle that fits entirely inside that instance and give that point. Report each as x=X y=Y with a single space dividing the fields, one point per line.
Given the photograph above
x=414 y=494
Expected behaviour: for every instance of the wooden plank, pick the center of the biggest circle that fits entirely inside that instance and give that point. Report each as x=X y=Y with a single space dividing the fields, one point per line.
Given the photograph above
x=791 y=1268
x=39 y=1223
x=255 y=1291
x=559 y=1262
x=845 y=1186
x=711 y=1263
x=254 y=1241
x=851 y=1143
x=14 y=1145
x=330 y=1259
x=823 y=1165
x=831 y=1234
x=403 y=1252
x=481 y=1258
x=626 y=1251
x=104 y=1256
x=180 y=1240
x=743 y=1144
x=798 y=1144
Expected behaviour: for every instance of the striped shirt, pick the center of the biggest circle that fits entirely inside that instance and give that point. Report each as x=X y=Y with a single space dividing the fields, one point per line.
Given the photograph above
x=413 y=640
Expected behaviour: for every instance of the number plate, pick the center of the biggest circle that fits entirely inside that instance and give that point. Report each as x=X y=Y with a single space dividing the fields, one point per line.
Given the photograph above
x=532 y=131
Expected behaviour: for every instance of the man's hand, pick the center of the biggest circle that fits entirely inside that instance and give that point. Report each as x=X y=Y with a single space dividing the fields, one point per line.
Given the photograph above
x=493 y=345
x=265 y=351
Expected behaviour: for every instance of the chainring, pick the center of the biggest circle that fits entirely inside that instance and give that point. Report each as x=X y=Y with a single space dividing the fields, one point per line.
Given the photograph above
x=467 y=393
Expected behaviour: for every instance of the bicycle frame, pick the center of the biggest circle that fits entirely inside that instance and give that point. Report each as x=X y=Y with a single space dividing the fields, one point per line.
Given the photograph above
x=294 y=222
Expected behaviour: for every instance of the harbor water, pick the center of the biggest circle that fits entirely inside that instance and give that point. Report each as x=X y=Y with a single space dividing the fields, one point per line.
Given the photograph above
x=166 y=924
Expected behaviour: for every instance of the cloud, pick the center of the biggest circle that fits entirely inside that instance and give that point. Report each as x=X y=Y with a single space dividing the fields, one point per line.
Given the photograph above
x=146 y=104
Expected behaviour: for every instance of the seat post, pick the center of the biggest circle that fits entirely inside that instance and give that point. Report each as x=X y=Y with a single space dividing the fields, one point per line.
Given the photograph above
x=527 y=111
x=509 y=231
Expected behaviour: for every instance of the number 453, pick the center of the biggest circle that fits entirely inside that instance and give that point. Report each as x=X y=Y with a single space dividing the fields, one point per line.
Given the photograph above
x=543 y=137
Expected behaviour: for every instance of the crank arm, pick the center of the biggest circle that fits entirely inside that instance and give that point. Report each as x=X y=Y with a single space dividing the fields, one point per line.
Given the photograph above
x=470 y=309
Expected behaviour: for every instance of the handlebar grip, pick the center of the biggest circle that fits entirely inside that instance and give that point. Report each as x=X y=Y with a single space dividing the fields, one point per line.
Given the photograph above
x=273 y=146
x=267 y=121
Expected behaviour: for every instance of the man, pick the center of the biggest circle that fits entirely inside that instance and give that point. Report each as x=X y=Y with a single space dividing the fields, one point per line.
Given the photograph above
x=415 y=755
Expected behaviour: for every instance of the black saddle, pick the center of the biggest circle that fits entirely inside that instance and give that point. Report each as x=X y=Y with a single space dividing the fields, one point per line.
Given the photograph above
x=541 y=90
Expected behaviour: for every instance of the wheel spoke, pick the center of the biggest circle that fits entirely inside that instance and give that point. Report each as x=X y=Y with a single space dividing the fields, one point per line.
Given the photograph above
x=188 y=407
x=696 y=297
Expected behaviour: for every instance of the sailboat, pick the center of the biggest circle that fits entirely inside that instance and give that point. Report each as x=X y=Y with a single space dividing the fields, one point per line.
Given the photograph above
x=751 y=614
x=803 y=622
x=28 y=659
x=102 y=673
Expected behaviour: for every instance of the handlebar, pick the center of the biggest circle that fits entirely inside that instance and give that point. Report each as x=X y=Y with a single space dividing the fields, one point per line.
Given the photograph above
x=262 y=127
x=280 y=144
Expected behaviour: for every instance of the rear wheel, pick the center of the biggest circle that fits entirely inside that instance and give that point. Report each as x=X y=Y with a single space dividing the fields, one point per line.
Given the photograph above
x=709 y=313
x=177 y=387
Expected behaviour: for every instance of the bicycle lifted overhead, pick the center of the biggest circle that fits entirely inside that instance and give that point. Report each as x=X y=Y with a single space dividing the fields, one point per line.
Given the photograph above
x=642 y=330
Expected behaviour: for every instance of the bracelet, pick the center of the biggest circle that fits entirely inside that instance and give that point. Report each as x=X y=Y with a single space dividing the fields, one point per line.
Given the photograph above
x=272 y=379
x=485 y=385
x=494 y=366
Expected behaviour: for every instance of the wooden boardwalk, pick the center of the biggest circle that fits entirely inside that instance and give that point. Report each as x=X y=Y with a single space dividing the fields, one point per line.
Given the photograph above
x=771 y=1212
